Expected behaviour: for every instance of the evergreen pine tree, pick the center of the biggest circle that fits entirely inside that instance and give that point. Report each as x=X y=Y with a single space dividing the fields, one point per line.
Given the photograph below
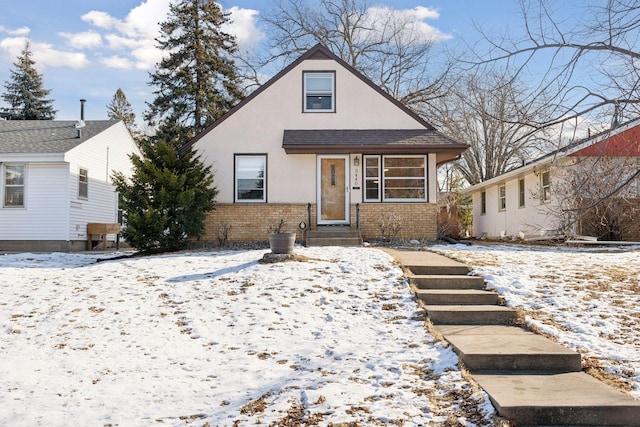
x=120 y=109
x=24 y=92
x=197 y=80
x=166 y=200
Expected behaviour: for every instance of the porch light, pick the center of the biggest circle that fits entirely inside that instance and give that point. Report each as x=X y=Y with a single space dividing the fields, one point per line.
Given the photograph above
x=356 y=161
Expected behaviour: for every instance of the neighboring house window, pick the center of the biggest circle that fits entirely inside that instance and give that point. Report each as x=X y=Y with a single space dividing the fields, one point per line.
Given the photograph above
x=545 y=187
x=404 y=178
x=372 y=179
x=319 y=92
x=83 y=184
x=251 y=178
x=502 y=197
x=483 y=202
x=14 y=186
x=521 y=193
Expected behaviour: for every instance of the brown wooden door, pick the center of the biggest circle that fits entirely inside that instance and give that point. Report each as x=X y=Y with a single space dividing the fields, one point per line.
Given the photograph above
x=333 y=190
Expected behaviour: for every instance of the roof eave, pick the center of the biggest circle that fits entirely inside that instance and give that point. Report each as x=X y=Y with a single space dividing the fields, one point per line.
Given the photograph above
x=373 y=149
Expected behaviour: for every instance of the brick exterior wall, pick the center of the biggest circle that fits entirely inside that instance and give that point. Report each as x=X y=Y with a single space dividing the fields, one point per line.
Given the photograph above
x=249 y=222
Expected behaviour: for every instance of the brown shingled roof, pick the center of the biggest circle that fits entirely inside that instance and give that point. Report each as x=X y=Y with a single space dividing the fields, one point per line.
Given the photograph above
x=378 y=141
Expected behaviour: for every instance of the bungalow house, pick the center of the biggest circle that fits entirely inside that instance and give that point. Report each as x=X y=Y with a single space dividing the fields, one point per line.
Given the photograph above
x=556 y=193
x=321 y=146
x=55 y=179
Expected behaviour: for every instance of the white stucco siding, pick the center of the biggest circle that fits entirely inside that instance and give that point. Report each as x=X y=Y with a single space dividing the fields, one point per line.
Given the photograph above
x=46 y=211
x=532 y=219
x=100 y=156
x=258 y=126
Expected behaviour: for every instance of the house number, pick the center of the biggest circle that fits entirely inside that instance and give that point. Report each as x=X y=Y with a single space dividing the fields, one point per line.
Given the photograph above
x=333 y=175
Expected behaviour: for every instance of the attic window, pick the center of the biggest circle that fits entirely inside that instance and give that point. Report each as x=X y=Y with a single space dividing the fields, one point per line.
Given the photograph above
x=319 y=92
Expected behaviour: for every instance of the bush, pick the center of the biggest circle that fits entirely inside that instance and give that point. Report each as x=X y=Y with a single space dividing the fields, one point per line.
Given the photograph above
x=166 y=200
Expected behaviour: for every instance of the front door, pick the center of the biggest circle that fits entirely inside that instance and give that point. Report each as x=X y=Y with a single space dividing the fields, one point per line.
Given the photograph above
x=333 y=189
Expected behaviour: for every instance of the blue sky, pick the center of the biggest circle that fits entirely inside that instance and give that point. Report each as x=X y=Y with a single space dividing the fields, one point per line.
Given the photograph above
x=90 y=48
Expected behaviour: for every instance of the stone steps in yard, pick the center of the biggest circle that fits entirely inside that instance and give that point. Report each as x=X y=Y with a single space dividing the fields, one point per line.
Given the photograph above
x=457 y=297
x=471 y=315
x=448 y=270
x=531 y=380
x=558 y=399
x=436 y=281
x=508 y=348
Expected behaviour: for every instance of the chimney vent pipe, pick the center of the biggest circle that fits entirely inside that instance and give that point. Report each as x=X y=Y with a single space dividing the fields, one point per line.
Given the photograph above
x=82 y=101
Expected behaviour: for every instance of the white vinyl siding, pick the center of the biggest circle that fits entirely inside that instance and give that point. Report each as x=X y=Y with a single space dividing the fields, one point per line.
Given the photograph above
x=46 y=206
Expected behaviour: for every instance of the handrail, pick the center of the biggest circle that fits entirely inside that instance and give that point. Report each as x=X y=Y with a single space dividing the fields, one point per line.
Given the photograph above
x=357 y=216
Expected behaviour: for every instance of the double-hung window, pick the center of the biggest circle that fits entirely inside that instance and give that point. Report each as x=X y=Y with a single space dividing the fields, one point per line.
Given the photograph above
x=14 y=186
x=395 y=178
x=319 y=92
x=83 y=184
x=483 y=203
x=545 y=187
x=251 y=178
x=521 y=193
x=502 y=197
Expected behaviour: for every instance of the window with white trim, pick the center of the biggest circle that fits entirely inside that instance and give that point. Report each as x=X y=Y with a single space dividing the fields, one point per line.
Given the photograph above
x=319 y=92
x=83 y=183
x=545 y=187
x=483 y=203
x=521 y=193
x=251 y=178
x=13 y=180
x=502 y=197
x=372 y=181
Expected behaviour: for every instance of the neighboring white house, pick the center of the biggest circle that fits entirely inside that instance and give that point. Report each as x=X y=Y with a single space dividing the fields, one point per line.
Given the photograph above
x=56 y=178
x=320 y=140
x=525 y=201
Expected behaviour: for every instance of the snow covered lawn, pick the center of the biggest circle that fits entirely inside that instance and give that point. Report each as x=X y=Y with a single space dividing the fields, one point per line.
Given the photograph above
x=218 y=339
x=588 y=299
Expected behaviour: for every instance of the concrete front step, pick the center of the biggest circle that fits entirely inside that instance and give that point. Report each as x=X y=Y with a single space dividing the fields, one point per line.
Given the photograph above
x=471 y=315
x=502 y=348
x=567 y=399
x=436 y=281
x=457 y=297
x=334 y=241
x=444 y=269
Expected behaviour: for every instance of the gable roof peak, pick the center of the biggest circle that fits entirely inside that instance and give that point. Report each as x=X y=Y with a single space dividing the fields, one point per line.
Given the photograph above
x=318 y=51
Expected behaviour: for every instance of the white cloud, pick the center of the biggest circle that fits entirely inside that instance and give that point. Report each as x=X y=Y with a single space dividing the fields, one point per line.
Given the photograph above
x=44 y=54
x=85 y=40
x=412 y=22
x=134 y=36
x=22 y=31
x=243 y=26
x=99 y=19
x=117 y=62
